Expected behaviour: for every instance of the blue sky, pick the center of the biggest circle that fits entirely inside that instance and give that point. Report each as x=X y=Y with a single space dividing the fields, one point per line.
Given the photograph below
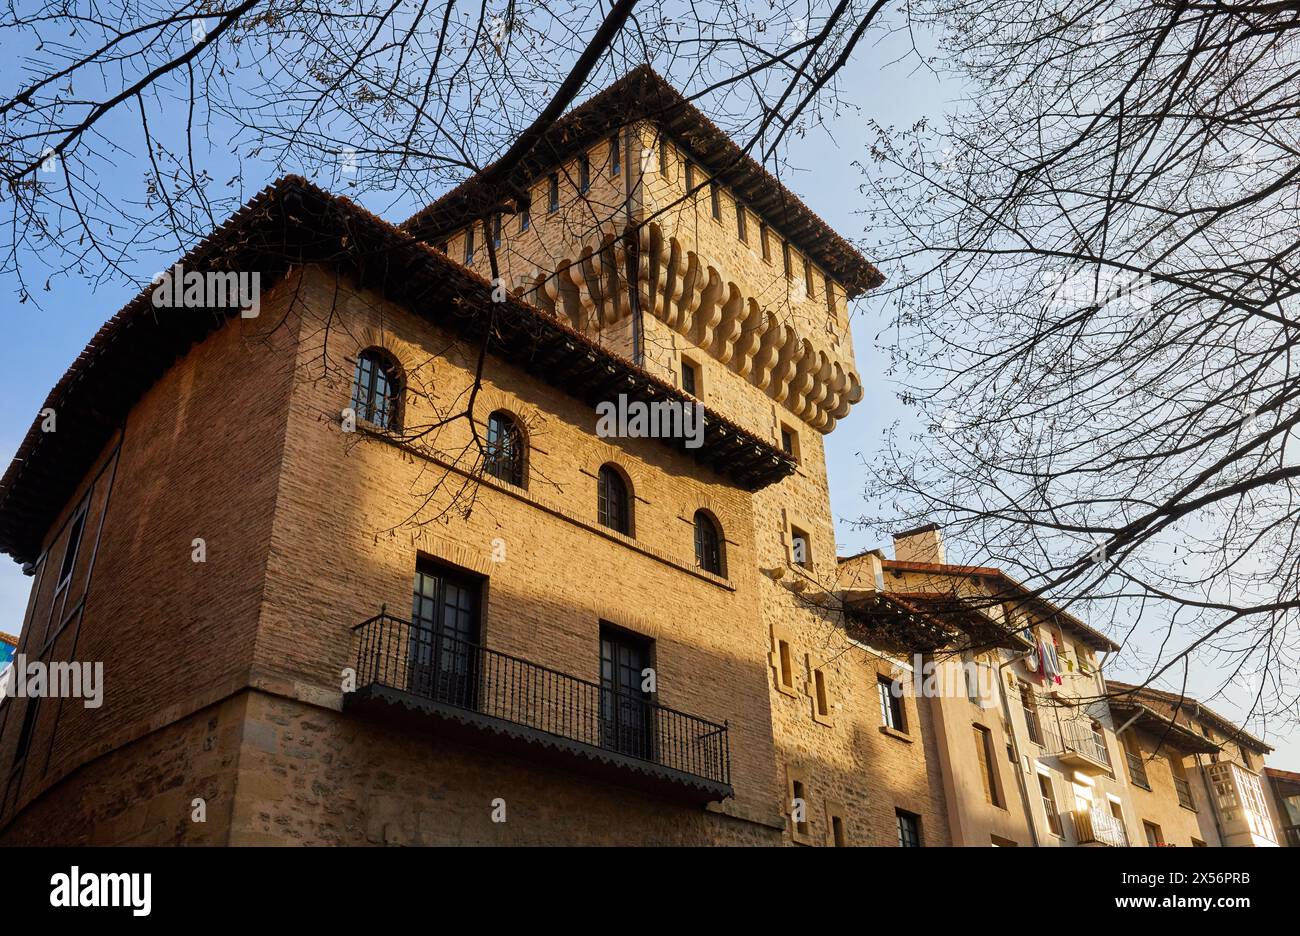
x=41 y=343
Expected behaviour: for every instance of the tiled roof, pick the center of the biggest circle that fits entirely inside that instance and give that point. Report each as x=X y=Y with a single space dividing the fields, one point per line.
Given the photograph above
x=1173 y=705
x=291 y=223
x=1091 y=635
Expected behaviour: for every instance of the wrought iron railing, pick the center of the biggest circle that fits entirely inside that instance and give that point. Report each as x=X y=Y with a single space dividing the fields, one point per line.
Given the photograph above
x=1098 y=826
x=1137 y=770
x=444 y=669
x=1184 y=793
x=1073 y=738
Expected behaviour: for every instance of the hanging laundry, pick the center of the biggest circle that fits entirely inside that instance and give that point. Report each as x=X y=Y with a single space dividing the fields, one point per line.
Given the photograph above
x=1051 y=664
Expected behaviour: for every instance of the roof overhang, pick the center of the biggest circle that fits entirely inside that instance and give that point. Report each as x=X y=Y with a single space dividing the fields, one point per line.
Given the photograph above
x=294 y=223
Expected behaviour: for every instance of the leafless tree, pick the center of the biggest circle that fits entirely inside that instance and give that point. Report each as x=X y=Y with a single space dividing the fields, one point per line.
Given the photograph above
x=135 y=128
x=1093 y=312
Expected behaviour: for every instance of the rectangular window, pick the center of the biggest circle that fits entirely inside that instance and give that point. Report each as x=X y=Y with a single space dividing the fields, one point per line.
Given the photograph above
x=891 y=703
x=28 y=727
x=1049 y=804
x=469 y=245
x=553 y=192
x=830 y=297
x=615 y=158
x=663 y=156
x=763 y=242
x=785 y=260
x=987 y=762
x=715 y=201
x=838 y=838
x=70 y=551
x=525 y=219
x=741 y=230
x=584 y=173
x=443 y=658
x=799 y=808
x=1030 y=707
x=790 y=442
x=800 y=551
x=690 y=179
x=787 y=663
x=807 y=278
x=1155 y=838
x=626 y=709
x=909 y=829
x=690 y=377
x=496 y=230
x=821 y=696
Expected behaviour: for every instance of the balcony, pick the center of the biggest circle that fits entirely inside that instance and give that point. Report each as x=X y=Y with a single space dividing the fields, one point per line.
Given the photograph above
x=1097 y=827
x=1077 y=746
x=1184 y=794
x=1137 y=770
x=496 y=700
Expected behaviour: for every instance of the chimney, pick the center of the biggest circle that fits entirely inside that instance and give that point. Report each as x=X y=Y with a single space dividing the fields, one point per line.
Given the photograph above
x=924 y=544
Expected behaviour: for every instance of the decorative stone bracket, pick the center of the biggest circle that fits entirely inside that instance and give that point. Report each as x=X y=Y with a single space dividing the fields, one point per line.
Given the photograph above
x=693 y=299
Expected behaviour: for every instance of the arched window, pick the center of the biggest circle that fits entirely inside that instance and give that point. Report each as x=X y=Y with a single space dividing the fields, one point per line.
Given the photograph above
x=708 y=543
x=613 y=505
x=505 y=449
x=376 y=389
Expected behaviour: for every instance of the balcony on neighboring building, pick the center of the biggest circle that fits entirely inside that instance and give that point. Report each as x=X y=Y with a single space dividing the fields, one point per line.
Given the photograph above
x=1184 y=793
x=1097 y=827
x=1077 y=745
x=492 y=699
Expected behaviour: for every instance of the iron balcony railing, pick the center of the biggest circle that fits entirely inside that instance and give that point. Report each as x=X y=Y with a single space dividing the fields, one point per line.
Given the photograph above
x=1184 y=794
x=1073 y=739
x=1096 y=826
x=1137 y=770
x=448 y=671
